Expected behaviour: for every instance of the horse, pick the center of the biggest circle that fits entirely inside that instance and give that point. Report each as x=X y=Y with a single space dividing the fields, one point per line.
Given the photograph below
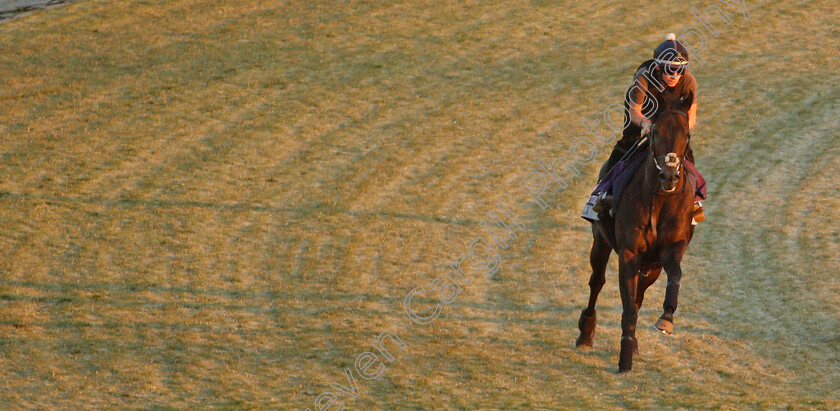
x=650 y=230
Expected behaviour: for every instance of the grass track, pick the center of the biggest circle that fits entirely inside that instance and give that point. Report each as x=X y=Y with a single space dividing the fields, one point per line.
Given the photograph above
x=221 y=203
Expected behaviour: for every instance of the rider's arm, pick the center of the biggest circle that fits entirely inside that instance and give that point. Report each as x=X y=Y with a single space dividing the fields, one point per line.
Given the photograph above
x=637 y=99
x=639 y=119
x=691 y=87
x=692 y=114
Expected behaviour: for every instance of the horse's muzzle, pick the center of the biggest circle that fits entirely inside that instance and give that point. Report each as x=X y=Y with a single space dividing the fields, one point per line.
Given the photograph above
x=668 y=179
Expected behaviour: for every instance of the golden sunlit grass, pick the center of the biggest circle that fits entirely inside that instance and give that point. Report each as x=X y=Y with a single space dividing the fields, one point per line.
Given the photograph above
x=222 y=204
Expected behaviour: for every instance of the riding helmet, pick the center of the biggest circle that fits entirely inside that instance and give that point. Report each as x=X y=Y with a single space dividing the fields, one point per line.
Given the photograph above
x=671 y=55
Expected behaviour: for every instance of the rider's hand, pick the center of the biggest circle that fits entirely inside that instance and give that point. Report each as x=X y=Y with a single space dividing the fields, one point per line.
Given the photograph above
x=645 y=127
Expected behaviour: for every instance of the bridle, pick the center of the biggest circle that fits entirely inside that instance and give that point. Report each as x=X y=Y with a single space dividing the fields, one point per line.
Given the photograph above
x=668 y=159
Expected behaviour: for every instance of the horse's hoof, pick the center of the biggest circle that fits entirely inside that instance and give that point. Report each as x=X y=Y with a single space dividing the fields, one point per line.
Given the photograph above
x=582 y=342
x=586 y=325
x=629 y=346
x=665 y=326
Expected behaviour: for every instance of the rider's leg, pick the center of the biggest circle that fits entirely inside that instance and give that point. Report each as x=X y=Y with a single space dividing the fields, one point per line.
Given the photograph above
x=700 y=192
x=628 y=137
x=621 y=147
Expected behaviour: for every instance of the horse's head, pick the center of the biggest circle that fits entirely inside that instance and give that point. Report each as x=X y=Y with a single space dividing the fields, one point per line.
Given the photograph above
x=669 y=140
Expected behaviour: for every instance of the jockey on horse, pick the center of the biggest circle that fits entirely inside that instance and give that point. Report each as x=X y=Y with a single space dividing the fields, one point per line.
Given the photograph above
x=665 y=77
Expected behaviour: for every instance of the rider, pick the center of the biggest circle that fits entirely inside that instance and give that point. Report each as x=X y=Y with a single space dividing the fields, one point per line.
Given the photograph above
x=664 y=77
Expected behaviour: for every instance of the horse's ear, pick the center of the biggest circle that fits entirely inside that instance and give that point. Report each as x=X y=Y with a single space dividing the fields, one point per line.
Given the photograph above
x=687 y=101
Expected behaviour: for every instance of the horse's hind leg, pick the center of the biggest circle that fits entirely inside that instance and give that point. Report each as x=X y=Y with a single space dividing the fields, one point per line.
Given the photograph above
x=599 y=256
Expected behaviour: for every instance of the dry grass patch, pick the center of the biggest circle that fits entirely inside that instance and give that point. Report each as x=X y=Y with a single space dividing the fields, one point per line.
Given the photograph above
x=221 y=203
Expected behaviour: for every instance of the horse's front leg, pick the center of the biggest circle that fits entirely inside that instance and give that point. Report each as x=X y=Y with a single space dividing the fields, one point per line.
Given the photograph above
x=645 y=281
x=671 y=259
x=628 y=281
x=599 y=256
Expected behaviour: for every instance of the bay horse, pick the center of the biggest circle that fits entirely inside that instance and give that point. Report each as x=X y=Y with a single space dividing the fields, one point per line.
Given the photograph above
x=650 y=230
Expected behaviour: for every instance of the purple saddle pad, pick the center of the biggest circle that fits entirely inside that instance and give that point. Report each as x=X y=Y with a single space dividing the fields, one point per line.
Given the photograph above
x=619 y=176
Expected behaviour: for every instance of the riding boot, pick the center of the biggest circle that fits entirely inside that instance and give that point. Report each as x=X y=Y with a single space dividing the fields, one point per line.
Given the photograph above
x=699 y=215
